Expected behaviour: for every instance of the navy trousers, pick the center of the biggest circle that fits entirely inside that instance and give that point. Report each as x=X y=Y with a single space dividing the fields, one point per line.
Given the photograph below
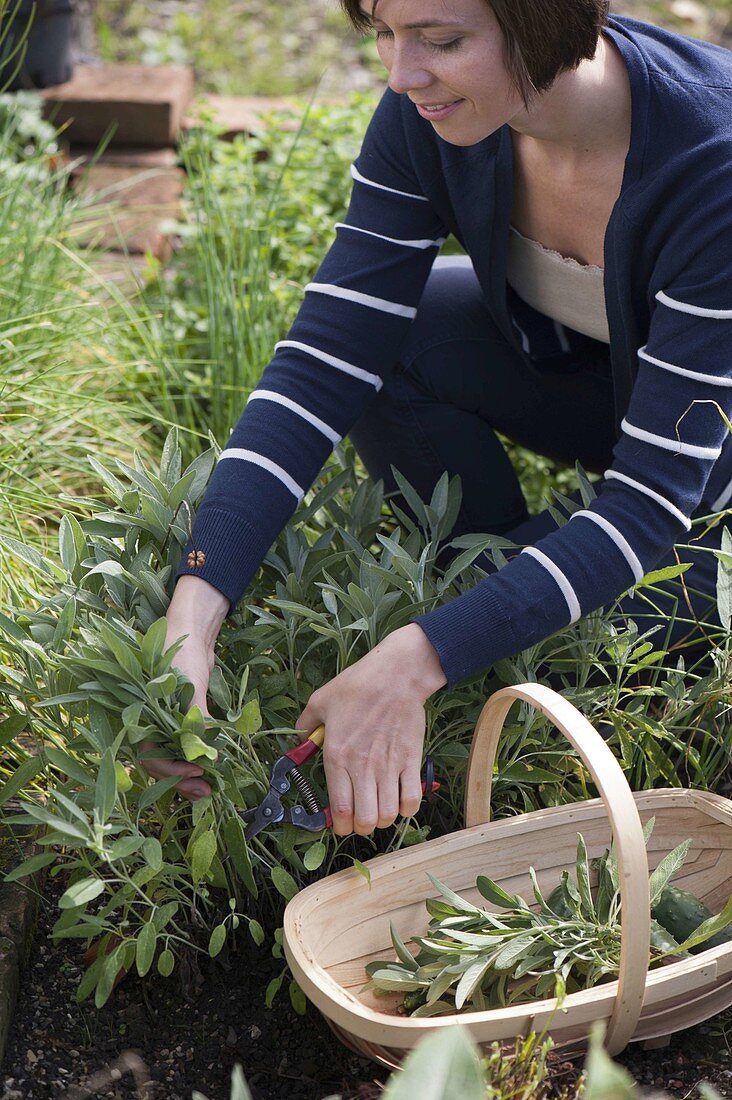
x=458 y=382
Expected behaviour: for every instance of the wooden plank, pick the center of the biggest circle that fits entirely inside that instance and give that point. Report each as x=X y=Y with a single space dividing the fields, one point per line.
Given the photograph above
x=128 y=208
x=81 y=157
x=142 y=104
x=240 y=114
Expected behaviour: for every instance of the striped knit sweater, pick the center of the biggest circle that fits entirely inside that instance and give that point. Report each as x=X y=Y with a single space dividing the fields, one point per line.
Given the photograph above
x=668 y=290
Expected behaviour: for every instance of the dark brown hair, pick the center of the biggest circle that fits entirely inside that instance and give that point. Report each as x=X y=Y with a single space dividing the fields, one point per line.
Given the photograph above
x=543 y=37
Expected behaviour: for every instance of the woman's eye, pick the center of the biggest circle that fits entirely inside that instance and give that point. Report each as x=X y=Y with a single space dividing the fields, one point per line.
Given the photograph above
x=380 y=35
x=445 y=45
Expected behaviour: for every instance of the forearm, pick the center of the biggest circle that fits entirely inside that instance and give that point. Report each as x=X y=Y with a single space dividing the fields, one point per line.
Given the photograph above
x=196 y=606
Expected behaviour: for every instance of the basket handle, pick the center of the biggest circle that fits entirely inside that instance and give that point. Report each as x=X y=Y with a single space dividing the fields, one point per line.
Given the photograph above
x=626 y=829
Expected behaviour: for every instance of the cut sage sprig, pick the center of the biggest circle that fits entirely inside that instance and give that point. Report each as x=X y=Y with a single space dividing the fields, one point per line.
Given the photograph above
x=472 y=959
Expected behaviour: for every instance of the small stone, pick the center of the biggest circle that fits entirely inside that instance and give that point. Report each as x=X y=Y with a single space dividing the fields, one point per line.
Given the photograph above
x=231 y=1038
x=254 y=1032
x=31 y=1057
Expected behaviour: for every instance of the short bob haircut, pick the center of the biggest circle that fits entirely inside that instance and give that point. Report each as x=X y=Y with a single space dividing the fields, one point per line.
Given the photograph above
x=543 y=37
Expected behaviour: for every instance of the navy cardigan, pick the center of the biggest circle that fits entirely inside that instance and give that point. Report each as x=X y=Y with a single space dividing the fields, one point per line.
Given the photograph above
x=668 y=293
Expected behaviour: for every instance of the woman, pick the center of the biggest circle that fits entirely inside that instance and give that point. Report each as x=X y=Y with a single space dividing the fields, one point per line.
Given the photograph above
x=584 y=163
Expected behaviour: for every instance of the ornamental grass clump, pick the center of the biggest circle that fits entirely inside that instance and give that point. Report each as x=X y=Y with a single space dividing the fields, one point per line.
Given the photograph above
x=472 y=959
x=57 y=346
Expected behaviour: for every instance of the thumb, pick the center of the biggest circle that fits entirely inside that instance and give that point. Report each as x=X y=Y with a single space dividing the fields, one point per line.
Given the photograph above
x=308 y=721
x=201 y=700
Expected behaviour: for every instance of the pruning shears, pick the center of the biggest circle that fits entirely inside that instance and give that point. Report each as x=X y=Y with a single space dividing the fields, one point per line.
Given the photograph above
x=285 y=771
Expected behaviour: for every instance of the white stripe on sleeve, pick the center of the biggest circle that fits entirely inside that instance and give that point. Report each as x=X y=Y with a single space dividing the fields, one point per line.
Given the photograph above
x=665 y=444
x=618 y=538
x=723 y=499
x=339 y=364
x=266 y=464
x=382 y=187
x=363 y=299
x=697 y=311
x=280 y=399
x=652 y=494
x=566 y=588
x=426 y=243
x=710 y=379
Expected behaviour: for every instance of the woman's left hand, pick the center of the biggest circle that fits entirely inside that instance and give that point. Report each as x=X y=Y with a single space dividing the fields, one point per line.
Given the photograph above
x=374 y=720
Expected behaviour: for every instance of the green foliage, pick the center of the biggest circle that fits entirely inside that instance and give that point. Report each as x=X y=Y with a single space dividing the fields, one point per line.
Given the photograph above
x=85 y=673
x=446 y=1065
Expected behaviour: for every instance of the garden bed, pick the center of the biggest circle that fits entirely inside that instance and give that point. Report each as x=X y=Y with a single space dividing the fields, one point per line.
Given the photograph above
x=191 y=1042
x=183 y=1041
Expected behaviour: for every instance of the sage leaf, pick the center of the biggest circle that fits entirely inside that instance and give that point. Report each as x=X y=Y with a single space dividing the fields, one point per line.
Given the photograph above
x=495 y=894
x=666 y=869
x=194 y=748
x=297 y=998
x=315 y=855
x=82 y=892
x=31 y=865
x=239 y=852
x=202 y=853
x=217 y=940
x=166 y=962
x=153 y=852
x=105 y=792
x=145 y=948
x=284 y=882
x=20 y=778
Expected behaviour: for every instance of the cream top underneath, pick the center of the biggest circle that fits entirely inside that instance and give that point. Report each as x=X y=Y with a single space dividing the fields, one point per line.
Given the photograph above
x=561 y=288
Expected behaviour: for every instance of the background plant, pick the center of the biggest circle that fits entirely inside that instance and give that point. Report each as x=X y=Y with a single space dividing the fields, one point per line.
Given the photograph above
x=59 y=368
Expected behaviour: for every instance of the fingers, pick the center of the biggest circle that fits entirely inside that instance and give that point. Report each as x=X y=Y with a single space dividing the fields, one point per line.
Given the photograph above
x=340 y=794
x=190 y=785
x=369 y=802
x=410 y=791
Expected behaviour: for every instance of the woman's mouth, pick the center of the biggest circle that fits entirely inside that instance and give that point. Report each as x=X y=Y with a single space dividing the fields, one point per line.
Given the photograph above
x=438 y=110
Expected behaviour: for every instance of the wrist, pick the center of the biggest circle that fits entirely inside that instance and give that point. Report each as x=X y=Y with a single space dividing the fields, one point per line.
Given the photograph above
x=419 y=658
x=197 y=608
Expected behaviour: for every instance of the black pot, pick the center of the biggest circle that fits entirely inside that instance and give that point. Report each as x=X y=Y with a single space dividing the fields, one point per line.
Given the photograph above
x=47 y=46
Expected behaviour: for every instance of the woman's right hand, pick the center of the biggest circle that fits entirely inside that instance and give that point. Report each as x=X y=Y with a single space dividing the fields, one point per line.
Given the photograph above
x=197 y=609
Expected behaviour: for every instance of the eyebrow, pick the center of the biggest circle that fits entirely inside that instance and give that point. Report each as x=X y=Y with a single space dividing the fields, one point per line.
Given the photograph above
x=417 y=26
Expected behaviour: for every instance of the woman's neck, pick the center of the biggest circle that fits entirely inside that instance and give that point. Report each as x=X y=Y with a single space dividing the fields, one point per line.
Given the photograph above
x=585 y=114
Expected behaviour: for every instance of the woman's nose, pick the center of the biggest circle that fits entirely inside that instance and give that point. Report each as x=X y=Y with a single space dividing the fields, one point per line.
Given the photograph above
x=406 y=75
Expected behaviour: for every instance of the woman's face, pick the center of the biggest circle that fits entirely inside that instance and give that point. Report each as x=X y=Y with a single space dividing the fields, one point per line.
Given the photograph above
x=455 y=56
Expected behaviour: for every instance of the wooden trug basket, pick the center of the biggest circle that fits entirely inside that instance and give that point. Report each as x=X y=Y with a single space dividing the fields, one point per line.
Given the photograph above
x=338 y=924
